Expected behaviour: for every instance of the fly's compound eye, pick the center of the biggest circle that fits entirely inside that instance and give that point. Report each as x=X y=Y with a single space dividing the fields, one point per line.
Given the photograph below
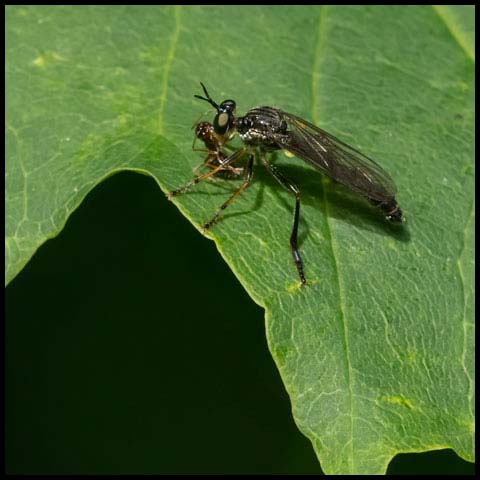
x=222 y=120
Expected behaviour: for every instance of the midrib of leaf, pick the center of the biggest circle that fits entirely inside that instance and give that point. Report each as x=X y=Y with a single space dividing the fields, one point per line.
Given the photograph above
x=166 y=67
x=318 y=53
x=452 y=28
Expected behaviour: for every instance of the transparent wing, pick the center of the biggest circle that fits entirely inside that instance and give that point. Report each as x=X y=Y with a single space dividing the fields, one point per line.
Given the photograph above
x=336 y=159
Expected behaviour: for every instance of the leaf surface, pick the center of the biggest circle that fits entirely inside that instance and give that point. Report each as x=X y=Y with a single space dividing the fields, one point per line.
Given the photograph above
x=376 y=352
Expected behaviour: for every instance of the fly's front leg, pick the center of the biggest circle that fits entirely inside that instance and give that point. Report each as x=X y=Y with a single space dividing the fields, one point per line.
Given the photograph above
x=232 y=158
x=240 y=189
x=293 y=189
x=227 y=173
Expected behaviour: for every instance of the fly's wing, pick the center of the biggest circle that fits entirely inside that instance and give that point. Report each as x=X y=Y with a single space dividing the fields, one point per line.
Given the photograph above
x=336 y=159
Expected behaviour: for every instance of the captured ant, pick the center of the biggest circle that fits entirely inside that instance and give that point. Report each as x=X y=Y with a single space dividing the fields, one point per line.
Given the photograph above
x=266 y=129
x=204 y=131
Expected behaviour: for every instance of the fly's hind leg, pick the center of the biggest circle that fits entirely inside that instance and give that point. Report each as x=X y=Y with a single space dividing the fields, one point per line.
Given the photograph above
x=293 y=189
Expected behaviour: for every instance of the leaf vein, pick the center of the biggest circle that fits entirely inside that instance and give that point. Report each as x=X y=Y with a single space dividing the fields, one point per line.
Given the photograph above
x=167 y=65
x=318 y=55
x=456 y=34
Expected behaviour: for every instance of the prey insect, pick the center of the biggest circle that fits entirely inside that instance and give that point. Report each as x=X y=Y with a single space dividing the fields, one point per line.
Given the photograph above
x=215 y=156
x=263 y=130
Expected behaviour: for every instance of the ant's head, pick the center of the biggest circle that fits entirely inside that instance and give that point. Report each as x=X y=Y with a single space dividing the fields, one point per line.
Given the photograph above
x=225 y=117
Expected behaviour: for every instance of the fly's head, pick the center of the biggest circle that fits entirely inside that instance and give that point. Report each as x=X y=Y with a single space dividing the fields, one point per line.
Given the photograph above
x=224 y=121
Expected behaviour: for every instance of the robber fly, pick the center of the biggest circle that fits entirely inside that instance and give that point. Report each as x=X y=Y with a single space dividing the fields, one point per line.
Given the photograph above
x=266 y=129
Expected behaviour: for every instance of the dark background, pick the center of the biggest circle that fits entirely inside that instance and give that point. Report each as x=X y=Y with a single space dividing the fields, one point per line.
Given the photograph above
x=132 y=348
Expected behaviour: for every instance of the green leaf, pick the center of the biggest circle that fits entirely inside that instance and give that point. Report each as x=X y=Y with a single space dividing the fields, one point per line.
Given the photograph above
x=376 y=352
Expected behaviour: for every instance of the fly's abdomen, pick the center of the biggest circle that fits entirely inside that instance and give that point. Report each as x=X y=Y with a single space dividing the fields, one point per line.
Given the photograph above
x=391 y=209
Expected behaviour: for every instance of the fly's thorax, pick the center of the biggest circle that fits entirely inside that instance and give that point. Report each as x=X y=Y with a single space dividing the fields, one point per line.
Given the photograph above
x=260 y=126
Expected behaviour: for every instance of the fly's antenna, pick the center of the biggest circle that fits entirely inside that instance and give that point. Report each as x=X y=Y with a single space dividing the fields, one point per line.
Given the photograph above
x=207 y=98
